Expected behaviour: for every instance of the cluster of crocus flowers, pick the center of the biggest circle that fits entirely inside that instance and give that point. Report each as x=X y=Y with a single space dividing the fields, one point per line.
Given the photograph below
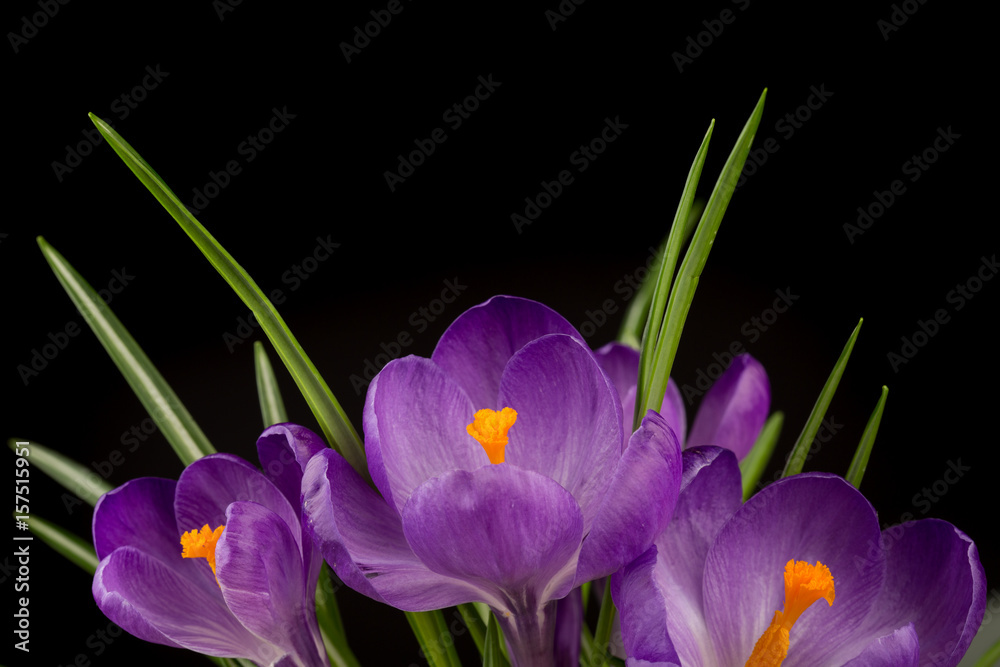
x=217 y=561
x=800 y=575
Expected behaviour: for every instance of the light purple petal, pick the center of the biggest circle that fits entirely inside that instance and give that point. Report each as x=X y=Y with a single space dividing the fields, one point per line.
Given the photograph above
x=640 y=601
x=569 y=424
x=502 y=528
x=208 y=486
x=810 y=517
x=734 y=409
x=935 y=581
x=140 y=514
x=711 y=492
x=260 y=572
x=362 y=539
x=474 y=350
x=899 y=649
x=415 y=419
x=639 y=502
x=152 y=602
x=284 y=450
x=569 y=621
x=621 y=363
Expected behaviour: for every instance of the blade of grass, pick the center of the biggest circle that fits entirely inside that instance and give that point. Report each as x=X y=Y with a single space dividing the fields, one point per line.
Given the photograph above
x=77 y=478
x=429 y=627
x=630 y=332
x=800 y=451
x=752 y=467
x=337 y=428
x=272 y=408
x=860 y=461
x=475 y=625
x=68 y=545
x=665 y=275
x=330 y=624
x=663 y=342
x=160 y=401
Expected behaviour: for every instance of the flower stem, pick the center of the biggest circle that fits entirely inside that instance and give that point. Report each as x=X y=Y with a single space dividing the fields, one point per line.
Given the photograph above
x=530 y=637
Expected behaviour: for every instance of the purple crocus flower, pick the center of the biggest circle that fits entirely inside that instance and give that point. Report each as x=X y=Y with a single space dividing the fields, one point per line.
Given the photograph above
x=246 y=585
x=731 y=414
x=503 y=476
x=801 y=568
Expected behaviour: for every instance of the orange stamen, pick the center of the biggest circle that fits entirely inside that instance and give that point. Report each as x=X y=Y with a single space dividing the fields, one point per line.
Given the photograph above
x=201 y=544
x=490 y=429
x=804 y=584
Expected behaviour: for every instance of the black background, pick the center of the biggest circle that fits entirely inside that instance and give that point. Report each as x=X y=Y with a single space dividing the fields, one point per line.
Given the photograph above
x=323 y=176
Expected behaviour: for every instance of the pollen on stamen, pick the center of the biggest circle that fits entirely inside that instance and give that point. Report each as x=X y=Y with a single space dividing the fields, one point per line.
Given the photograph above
x=804 y=584
x=201 y=544
x=489 y=428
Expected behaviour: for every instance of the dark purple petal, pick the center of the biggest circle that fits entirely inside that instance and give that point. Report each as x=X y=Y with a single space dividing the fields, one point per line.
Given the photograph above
x=362 y=539
x=621 y=363
x=415 y=419
x=734 y=409
x=711 y=492
x=140 y=514
x=284 y=450
x=508 y=530
x=569 y=424
x=208 y=486
x=151 y=601
x=262 y=579
x=899 y=649
x=639 y=502
x=642 y=610
x=569 y=621
x=810 y=517
x=934 y=580
x=474 y=350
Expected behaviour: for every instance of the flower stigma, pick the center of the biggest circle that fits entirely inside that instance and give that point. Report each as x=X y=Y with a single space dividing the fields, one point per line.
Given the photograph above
x=490 y=428
x=804 y=584
x=201 y=544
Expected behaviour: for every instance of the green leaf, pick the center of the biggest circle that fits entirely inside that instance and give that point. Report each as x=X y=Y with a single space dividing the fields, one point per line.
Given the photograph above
x=860 y=461
x=77 y=478
x=160 y=401
x=67 y=544
x=664 y=277
x=272 y=408
x=991 y=658
x=630 y=332
x=605 y=620
x=755 y=462
x=337 y=428
x=429 y=627
x=660 y=339
x=802 y=446
x=475 y=625
x=493 y=654
x=330 y=624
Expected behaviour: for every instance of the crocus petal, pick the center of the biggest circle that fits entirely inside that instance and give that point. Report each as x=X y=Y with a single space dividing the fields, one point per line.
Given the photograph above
x=474 y=350
x=621 y=363
x=569 y=621
x=415 y=427
x=361 y=537
x=208 y=486
x=710 y=495
x=284 y=450
x=899 y=649
x=810 y=517
x=640 y=501
x=641 y=607
x=511 y=531
x=569 y=422
x=140 y=514
x=260 y=572
x=151 y=601
x=734 y=409
x=931 y=560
